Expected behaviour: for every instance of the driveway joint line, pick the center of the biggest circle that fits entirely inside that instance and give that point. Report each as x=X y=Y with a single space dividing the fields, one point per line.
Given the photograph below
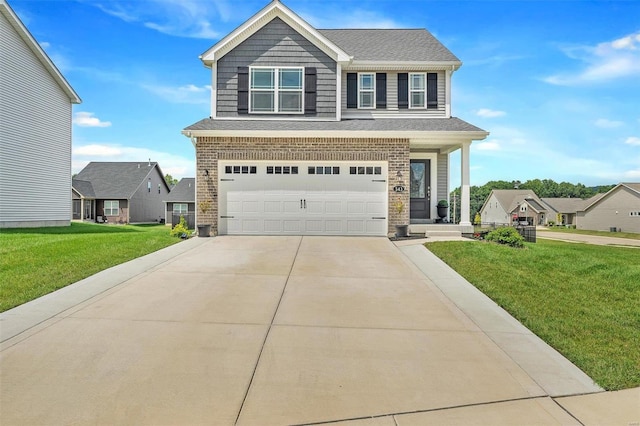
x=567 y=411
x=428 y=410
x=266 y=336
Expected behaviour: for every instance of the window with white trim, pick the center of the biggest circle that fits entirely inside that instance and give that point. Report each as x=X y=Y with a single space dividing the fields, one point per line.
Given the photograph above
x=367 y=90
x=276 y=90
x=111 y=207
x=417 y=90
x=180 y=208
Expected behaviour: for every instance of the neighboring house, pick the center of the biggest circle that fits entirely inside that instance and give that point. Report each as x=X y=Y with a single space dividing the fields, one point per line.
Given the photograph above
x=181 y=201
x=122 y=192
x=319 y=131
x=508 y=206
x=35 y=131
x=84 y=200
x=619 y=208
x=566 y=209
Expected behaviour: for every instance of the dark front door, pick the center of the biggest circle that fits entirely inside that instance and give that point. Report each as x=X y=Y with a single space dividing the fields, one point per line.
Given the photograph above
x=420 y=187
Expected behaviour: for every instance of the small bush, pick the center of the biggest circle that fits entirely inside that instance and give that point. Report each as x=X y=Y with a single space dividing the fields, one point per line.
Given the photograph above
x=507 y=236
x=180 y=230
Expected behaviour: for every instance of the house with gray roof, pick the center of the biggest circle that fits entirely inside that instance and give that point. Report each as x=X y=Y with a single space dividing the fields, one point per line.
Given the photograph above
x=36 y=104
x=181 y=201
x=325 y=132
x=618 y=209
x=566 y=209
x=509 y=206
x=121 y=192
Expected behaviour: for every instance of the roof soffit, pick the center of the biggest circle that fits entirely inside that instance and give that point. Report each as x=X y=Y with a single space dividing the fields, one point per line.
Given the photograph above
x=273 y=10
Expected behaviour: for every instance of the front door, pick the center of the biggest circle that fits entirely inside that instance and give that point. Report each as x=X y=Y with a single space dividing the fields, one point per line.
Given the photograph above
x=420 y=187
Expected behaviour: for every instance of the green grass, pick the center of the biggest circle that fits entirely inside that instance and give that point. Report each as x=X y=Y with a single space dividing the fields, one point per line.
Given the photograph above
x=628 y=235
x=37 y=261
x=584 y=300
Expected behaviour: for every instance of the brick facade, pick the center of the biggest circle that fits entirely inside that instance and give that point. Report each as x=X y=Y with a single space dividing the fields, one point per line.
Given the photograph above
x=211 y=149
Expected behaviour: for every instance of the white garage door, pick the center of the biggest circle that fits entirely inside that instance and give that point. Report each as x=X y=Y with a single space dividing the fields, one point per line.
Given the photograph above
x=302 y=198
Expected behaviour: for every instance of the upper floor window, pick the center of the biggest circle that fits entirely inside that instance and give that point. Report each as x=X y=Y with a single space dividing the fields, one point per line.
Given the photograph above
x=417 y=90
x=276 y=90
x=366 y=90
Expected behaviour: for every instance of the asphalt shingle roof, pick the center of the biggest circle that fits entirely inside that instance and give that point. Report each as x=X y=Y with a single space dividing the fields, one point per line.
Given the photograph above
x=118 y=180
x=184 y=191
x=452 y=124
x=404 y=45
x=83 y=187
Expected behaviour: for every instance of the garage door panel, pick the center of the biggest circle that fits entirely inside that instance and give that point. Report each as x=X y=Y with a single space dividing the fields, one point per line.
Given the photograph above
x=331 y=201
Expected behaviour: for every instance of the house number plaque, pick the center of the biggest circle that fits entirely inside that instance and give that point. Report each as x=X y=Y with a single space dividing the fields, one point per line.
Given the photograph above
x=399 y=188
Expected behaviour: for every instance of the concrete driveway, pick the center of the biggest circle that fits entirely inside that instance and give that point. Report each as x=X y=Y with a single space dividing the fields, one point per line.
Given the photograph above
x=278 y=330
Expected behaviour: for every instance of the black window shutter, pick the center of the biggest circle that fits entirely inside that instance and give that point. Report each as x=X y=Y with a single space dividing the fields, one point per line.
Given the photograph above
x=352 y=90
x=381 y=90
x=432 y=90
x=310 y=84
x=403 y=90
x=243 y=90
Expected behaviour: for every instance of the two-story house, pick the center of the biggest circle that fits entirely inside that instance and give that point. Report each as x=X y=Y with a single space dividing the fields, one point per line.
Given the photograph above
x=35 y=131
x=324 y=132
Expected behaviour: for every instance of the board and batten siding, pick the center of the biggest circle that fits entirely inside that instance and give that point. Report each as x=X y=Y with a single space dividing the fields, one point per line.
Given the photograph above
x=392 y=98
x=278 y=45
x=35 y=139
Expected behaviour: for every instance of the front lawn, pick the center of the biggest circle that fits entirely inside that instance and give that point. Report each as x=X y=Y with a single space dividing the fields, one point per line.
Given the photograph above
x=37 y=261
x=584 y=300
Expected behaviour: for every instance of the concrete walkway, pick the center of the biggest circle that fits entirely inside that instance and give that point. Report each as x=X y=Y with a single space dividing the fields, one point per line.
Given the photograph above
x=544 y=232
x=286 y=330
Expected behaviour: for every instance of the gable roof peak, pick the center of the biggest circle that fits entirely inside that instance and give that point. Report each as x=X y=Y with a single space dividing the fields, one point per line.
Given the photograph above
x=275 y=9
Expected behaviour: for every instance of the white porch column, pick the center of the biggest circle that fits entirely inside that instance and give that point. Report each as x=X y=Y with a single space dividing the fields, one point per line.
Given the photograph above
x=465 y=188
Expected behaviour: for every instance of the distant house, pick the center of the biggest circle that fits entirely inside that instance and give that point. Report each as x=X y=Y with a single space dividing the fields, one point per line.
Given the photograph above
x=506 y=206
x=566 y=209
x=181 y=201
x=84 y=200
x=35 y=134
x=619 y=208
x=118 y=192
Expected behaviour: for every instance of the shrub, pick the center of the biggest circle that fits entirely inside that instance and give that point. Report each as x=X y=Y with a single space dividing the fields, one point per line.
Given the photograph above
x=507 y=236
x=180 y=230
x=551 y=223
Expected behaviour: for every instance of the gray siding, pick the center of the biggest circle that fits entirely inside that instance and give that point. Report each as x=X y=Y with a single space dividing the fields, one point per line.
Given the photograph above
x=276 y=44
x=612 y=211
x=148 y=206
x=392 y=97
x=493 y=212
x=443 y=177
x=35 y=139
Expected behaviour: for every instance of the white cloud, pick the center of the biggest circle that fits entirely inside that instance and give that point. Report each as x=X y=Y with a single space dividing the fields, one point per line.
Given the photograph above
x=86 y=119
x=489 y=113
x=176 y=166
x=633 y=140
x=182 y=18
x=188 y=94
x=45 y=44
x=603 y=62
x=632 y=175
x=608 y=124
x=487 y=146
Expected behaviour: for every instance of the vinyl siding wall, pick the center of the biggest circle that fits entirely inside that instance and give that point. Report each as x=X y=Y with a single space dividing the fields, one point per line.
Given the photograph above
x=148 y=206
x=276 y=44
x=443 y=178
x=35 y=139
x=493 y=212
x=612 y=211
x=392 y=98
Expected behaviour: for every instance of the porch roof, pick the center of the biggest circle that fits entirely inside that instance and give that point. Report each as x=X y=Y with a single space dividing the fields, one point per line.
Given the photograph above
x=452 y=124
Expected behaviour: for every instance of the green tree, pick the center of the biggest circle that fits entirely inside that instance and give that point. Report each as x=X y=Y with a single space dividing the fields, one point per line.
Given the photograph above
x=171 y=181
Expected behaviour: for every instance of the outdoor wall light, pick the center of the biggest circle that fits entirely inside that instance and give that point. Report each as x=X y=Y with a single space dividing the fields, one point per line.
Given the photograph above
x=206 y=172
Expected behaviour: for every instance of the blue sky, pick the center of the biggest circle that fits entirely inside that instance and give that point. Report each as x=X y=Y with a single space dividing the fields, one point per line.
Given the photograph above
x=557 y=83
